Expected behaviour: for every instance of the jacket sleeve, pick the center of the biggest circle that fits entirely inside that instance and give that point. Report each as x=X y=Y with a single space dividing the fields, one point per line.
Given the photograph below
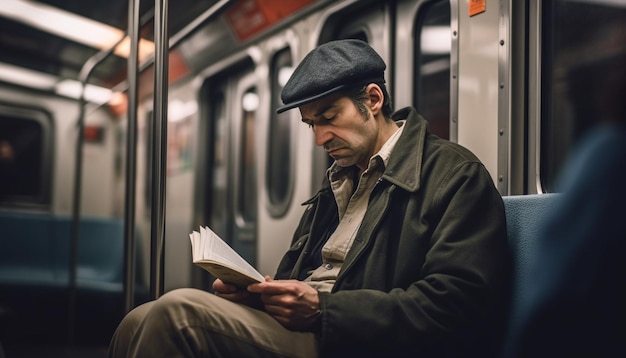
x=452 y=252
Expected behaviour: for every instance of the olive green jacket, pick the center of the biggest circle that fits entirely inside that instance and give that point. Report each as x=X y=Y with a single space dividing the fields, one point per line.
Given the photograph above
x=428 y=272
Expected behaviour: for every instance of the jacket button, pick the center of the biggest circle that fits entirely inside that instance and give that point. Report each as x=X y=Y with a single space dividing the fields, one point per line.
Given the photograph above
x=328 y=266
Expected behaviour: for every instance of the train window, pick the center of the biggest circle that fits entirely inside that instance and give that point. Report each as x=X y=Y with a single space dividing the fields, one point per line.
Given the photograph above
x=359 y=35
x=247 y=191
x=231 y=171
x=279 y=175
x=432 y=84
x=582 y=47
x=219 y=166
x=25 y=155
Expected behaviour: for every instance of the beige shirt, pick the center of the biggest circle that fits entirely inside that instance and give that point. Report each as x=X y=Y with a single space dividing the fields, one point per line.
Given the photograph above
x=351 y=205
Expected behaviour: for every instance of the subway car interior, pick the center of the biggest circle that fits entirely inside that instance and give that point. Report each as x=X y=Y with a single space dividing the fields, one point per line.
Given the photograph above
x=127 y=124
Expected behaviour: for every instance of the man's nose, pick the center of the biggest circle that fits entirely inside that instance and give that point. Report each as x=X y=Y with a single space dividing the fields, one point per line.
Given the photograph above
x=322 y=134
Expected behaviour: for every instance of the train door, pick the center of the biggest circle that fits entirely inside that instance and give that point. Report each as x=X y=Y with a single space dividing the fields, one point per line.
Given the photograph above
x=285 y=157
x=371 y=24
x=368 y=23
x=230 y=202
x=424 y=35
x=415 y=39
x=432 y=61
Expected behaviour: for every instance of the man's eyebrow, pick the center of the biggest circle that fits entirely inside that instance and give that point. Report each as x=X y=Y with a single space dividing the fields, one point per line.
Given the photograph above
x=320 y=112
x=324 y=109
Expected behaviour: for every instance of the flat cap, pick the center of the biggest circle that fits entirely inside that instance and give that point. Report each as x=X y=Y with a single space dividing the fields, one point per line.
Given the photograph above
x=329 y=68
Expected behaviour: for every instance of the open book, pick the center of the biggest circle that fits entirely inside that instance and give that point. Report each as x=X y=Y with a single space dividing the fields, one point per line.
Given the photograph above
x=211 y=253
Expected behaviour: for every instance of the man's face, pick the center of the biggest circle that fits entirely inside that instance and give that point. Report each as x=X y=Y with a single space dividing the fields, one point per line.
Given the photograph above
x=347 y=135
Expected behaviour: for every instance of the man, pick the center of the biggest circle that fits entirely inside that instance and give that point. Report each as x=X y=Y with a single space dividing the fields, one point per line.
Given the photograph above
x=402 y=252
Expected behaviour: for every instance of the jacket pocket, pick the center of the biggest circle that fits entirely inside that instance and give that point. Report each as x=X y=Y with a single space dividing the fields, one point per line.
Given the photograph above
x=291 y=259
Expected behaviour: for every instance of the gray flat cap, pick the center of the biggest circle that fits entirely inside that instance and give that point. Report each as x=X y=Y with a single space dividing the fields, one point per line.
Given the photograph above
x=329 y=68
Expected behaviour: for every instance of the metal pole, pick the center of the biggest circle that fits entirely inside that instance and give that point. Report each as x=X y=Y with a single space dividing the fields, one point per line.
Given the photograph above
x=158 y=225
x=160 y=146
x=181 y=35
x=131 y=161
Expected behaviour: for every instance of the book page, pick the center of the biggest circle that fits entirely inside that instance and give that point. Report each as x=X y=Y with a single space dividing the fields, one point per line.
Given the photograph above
x=208 y=246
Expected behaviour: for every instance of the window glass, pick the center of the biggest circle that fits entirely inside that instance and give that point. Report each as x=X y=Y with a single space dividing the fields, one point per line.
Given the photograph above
x=359 y=35
x=583 y=54
x=432 y=84
x=279 y=175
x=248 y=179
x=219 y=164
x=24 y=144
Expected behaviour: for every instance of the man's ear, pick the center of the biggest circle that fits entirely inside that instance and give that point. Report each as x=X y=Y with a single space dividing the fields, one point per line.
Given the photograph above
x=376 y=98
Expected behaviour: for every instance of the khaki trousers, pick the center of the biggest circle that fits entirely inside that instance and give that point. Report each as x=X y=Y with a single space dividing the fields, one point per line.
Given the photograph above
x=193 y=323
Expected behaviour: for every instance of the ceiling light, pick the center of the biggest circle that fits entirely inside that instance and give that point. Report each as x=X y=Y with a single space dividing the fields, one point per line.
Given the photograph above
x=72 y=89
x=28 y=78
x=72 y=27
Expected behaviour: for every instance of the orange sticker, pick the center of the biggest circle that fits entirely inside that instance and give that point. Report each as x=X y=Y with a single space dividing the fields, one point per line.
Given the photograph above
x=477 y=6
x=249 y=17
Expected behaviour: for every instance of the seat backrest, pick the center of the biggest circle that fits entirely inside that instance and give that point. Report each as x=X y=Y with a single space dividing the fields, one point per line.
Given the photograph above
x=525 y=215
x=35 y=249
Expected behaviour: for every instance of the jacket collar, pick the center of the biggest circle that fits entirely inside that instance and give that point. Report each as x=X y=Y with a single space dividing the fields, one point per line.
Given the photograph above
x=405 y=164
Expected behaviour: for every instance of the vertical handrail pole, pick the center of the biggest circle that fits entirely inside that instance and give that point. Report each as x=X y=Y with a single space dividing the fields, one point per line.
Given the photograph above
x=131 y=161
x=160 y=141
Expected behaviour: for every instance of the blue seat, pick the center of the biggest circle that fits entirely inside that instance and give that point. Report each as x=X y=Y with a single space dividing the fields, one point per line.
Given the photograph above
x=35 y=250
x=525 y=215
x=35 y=263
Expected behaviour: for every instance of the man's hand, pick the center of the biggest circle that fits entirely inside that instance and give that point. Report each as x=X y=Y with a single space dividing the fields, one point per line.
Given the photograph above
x=294 y=304
x=236 y=294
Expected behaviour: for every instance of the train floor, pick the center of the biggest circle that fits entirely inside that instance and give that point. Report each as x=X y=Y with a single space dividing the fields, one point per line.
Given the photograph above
x=54 y=351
